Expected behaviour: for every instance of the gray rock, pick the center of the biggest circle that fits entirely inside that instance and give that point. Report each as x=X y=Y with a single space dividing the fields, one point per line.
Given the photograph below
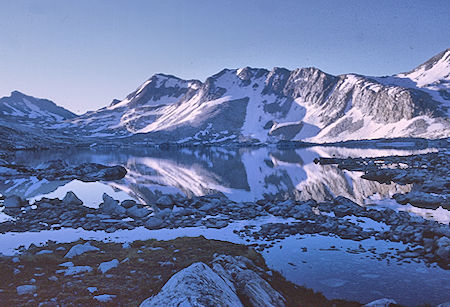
x=208 y=207
x=239 y=271
x=344 y=206
x=215 y=223
x=136 y=212
x=384 y=302
x=80 y=249
x=128 y=203
x=105 y=298
x=71 y=199
x=44 y=251
x=163 y=214
x=13 y=201
x=196 y=285
x=111 y=206
x=301 y=211
x=108 y=265
x=26 y=289
x=165 y=202
x=76 y=270
x=443 y=250
x=153 y=223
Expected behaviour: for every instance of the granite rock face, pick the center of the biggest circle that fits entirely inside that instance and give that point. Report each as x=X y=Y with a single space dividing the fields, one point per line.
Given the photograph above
x=229 y=280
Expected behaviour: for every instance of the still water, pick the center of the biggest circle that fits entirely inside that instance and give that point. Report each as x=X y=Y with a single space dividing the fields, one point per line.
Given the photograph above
x=242 y=175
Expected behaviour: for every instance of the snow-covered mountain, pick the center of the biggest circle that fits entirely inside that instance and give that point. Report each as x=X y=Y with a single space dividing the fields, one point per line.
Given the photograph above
x=19 y=106
x=251 y=104
x=29 y=122
x=258 y=105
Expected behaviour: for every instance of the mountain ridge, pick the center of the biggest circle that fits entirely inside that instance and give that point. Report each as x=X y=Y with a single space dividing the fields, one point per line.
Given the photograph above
x=265 y=106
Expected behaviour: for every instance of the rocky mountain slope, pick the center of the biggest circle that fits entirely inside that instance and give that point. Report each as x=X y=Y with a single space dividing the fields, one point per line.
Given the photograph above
x=29 y=122
x=258 y=105
x=21 y=107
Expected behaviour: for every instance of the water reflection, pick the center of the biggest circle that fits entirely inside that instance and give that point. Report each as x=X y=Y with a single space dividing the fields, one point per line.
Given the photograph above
x=241 y=174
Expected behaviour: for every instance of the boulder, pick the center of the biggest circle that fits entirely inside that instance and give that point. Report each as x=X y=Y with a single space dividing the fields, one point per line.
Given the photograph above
x=128 y=203
x=215 y=223
x=384 y=302
x=422 y=200
x=80 y=249
x=240 y=271
x=75 y=270
x=112 y=173
x=344 y=206
x=13 y=201
x=108 y=265
x=196 y=285
x=71 y=199
x=26 y=289
x=153 y=223
x=111 y=206
x=164 y=202
x=443 y=248
x=105 y=298
x=136 y=212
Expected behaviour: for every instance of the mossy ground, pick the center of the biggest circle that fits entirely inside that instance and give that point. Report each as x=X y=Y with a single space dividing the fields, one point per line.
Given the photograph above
x=150 y=264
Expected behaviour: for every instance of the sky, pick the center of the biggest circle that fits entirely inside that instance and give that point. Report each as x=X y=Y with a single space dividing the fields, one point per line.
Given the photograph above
x=84 y=53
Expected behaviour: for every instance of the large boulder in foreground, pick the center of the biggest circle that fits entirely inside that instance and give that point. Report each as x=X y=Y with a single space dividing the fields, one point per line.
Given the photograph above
x=196 y=285
x=229 y=280
x=242 y=273
x=384 y=302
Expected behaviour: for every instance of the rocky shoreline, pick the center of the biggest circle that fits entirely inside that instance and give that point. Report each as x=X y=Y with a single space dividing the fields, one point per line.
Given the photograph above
x=428 y=172
x=103 y=274
x=61 y=170
x=428 y=240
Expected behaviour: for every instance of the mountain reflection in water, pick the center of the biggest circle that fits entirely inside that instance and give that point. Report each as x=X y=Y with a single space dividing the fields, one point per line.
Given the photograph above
x=241 y=174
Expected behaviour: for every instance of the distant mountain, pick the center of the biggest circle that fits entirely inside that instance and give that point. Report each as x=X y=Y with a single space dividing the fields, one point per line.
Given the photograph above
x=258 y=105
x=29 y=122
x=21 y=106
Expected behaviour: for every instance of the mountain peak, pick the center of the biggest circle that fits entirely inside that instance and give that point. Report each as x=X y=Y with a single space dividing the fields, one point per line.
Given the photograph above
x=17 y=93
x=21 y=105
x=435 y=72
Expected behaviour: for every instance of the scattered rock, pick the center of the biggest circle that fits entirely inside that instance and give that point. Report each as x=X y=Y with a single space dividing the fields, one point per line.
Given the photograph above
x=111 y=206
x=384 y=302
x=44 y=251
x=153 y=223
x=443 y=250
x=164 y=202
x=75 y=270
x=105 y=298
x=128 y=203
x=108 y=265
x=80 y=249
x=26 y=289
x=71 y=198
x=136 y=212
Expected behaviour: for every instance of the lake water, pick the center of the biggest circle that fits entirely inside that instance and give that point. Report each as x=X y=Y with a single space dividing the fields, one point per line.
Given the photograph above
x=248 y=175
x=242 y=175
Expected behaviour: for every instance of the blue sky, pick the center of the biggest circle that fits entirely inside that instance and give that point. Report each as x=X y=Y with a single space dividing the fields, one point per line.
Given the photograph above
x=82 y=54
